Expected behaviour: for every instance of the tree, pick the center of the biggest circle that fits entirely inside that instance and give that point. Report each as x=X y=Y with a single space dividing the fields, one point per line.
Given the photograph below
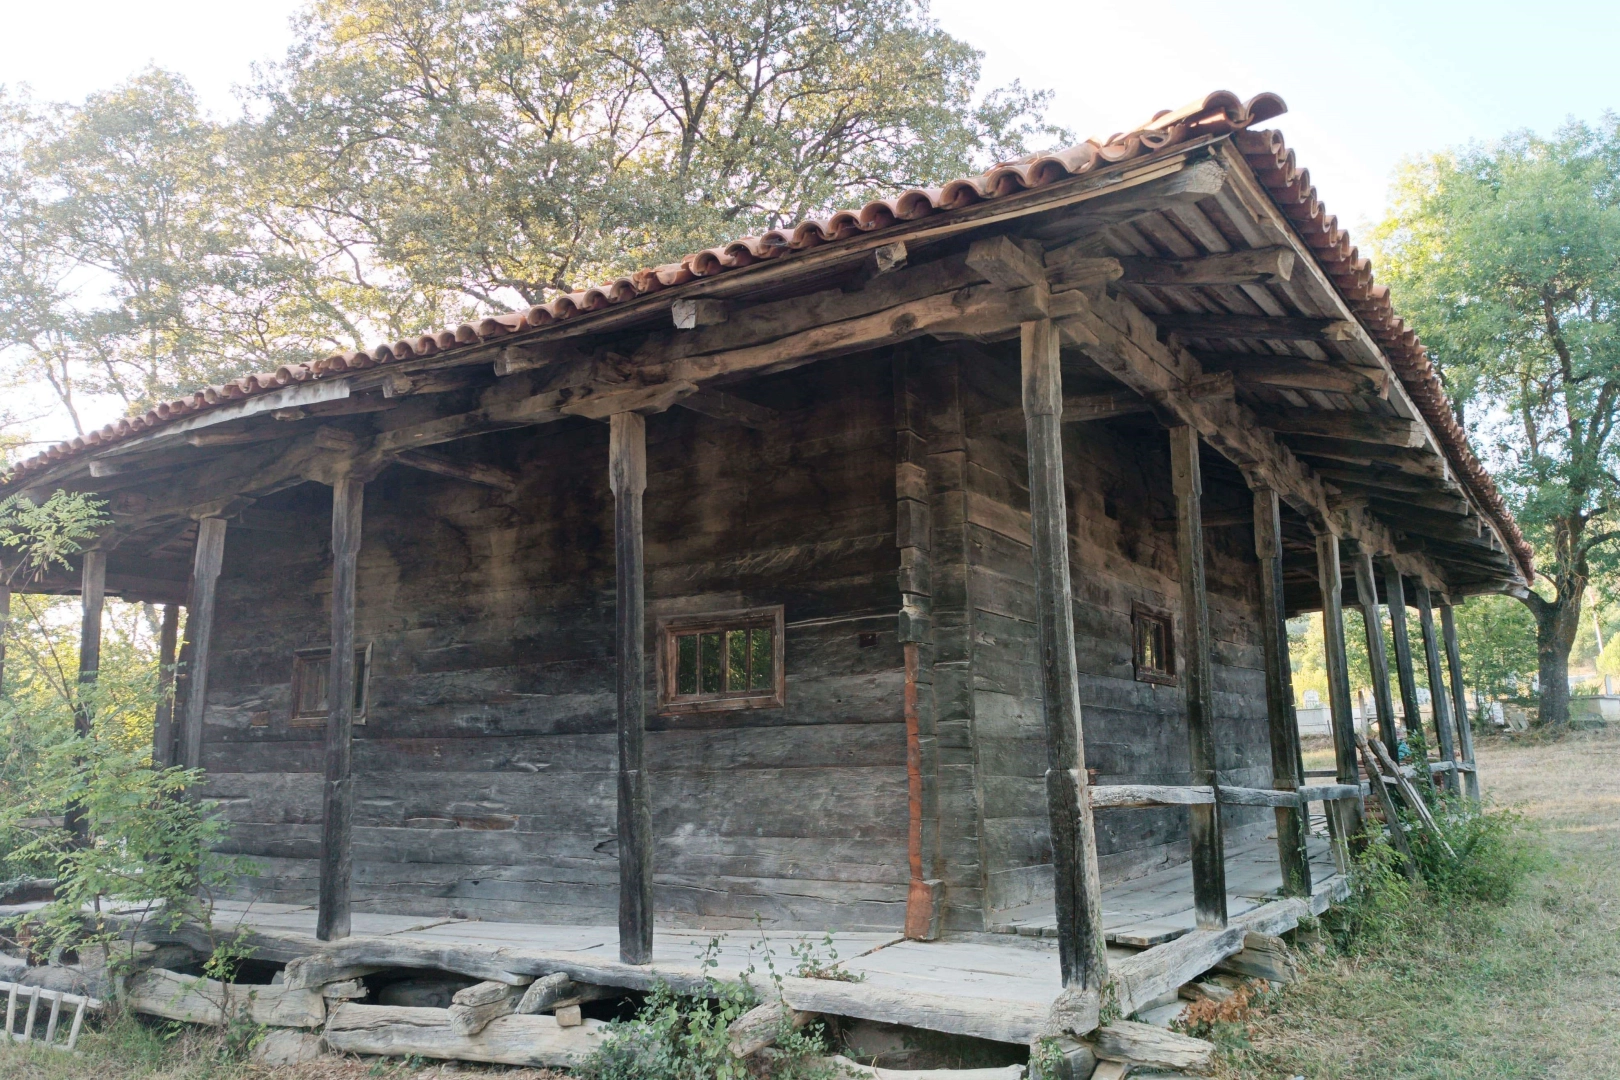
x=490 y=152
x=1506 y=260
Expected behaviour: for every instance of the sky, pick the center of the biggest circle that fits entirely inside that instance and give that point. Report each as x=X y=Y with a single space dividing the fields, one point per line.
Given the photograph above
x=1368 y=83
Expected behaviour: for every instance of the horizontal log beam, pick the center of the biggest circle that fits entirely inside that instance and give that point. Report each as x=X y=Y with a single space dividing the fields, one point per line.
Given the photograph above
x=1379 y=430
x=1258 y=266
x=1257 y=327
x=474 y=472
x=1080 y=408
x=1269 y=371
x=730 y=407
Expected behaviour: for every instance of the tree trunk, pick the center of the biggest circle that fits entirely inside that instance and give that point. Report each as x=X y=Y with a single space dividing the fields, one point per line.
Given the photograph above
x=1556 y=623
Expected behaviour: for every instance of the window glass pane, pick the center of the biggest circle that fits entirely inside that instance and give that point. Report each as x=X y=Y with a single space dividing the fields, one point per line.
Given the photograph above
x=761 y=678
x=360 y=674
x=710 y=664
x=686 y=664
x=736 y=660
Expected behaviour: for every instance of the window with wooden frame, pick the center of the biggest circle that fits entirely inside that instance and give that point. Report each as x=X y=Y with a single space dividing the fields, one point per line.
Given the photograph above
x=721 y=661
x=1154 y=645
x=312 y=668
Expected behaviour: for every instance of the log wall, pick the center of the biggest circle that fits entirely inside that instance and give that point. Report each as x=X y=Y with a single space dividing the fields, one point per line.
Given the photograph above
x=485 y=763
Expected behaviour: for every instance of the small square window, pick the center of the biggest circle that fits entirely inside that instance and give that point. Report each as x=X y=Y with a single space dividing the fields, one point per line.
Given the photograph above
x=311 y=670
x=1153 y=645
x=726 y=660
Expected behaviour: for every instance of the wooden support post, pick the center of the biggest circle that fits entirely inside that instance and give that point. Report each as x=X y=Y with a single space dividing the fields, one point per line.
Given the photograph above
x=163 y=721
x=1197 y=674
x=1284 y=724
x=1459 y=699
x=1082 y=952
x=1377 y=659
x=1437 y=687
x=1344 y=813
x=1405 y=678
x=92 y=596
x=337 y=804
x=207 y=558
x=627 y=475
x=5 y=628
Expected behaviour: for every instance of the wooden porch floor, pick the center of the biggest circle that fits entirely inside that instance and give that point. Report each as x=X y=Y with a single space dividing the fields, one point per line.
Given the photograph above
x=992 y=985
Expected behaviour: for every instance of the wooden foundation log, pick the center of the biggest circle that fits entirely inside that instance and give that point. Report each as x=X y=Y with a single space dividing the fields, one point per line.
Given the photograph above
x=1145 y=1044
x=472 y=1008
x=1197 y=673
x=1263 y=956
x=627 y=474
x=535 y=1041
x=160 y=992
x=762 y=1025
x=337 y=818
x=844 y=1067
x=1082 y=951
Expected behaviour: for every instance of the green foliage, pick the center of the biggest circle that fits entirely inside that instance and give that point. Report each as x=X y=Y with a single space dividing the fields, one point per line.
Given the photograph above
x=1506 y=259
x=1497 y=638
x=677 y=1036
x=44 y=534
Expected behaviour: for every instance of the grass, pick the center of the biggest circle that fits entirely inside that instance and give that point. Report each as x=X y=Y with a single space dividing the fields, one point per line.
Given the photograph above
x=1460 y=990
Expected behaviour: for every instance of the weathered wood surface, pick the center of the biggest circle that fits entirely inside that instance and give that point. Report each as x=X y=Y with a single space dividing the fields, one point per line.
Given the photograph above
x=337 y=796
x=1083 y=953
x=762 y=1025
x=1459 y=701
x=1282 y=723
x=1263 y=956
x=1197 y=674
x=1252 y=267
x=198 y=654
x=1386 y=802
x=627 y=473
x=1378 y=662
x=1345 y=815
x=536 y=1041
x=843 y=1066
x=160 y=992
x=1405 y=677
x=1439 y=698
x=1145 y=1044
x=472 y=1008
x=163 y=752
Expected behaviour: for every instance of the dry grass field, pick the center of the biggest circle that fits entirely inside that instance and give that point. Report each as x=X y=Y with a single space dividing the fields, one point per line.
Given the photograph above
x=1530 y=989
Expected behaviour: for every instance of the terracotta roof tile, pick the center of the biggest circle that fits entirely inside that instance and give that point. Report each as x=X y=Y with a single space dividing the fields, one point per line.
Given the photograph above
x=1220 y=113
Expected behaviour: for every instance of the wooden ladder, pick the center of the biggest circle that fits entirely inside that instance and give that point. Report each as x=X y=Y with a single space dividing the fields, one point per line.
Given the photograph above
x=57 y=998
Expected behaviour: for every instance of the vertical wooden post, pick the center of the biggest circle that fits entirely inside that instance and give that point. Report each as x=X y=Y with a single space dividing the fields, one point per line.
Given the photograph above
x=337 y=804
x=92 y=596
x=1284 y=724
x=627 y=475
x=5 y=627
x=1077 y=893
x=207 y=558
x=163 y=721
x=1346 y=813
x=1437 y=688
x=1204 y=822
x=1395 y=596
x=1377 y=658
x=1459 y=699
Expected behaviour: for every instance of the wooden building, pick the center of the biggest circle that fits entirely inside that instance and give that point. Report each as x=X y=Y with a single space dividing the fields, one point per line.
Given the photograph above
x=914 y=571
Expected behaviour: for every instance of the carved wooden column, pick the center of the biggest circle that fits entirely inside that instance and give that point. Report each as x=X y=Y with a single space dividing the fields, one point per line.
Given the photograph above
x=1437 y=688
x=1283 y=723
x=1204 y=821
x=207 y=558
x=337 y=820
x=627 y=475
x=163 y=721
x=1082 y=952
x=1345 y=813
x=1377 y=659
x=92 y=596
x=1459 y=699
